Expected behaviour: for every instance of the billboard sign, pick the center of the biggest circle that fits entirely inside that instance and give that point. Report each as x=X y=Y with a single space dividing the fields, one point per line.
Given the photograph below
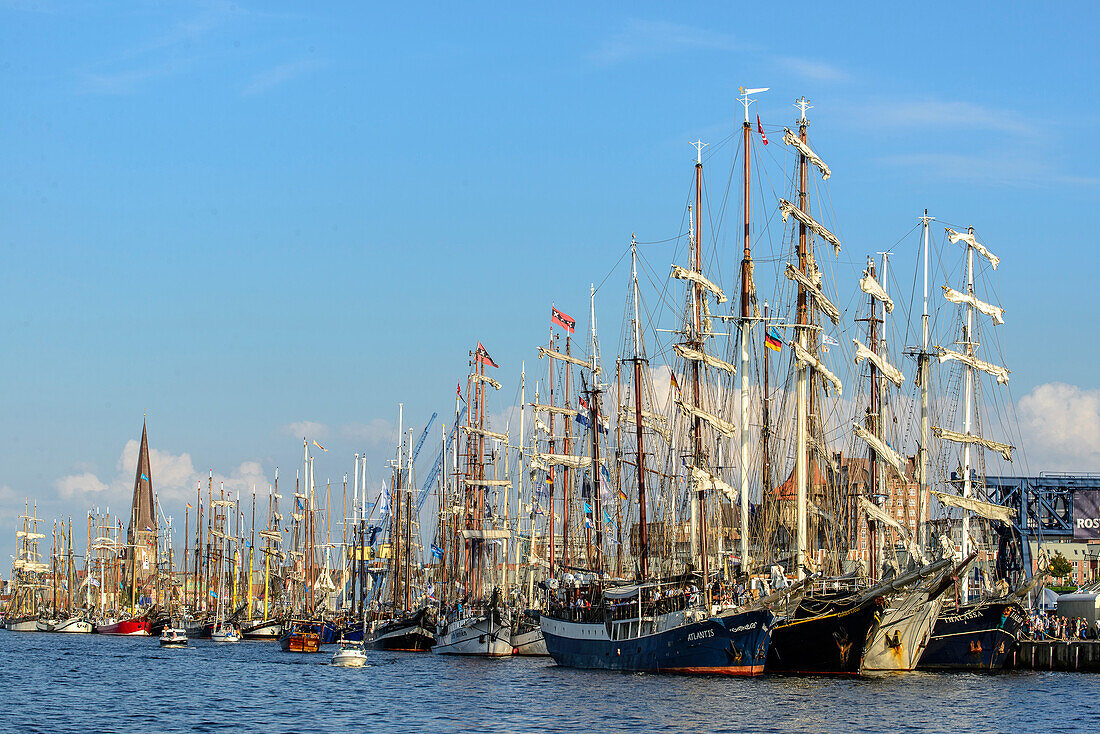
x=1086 y=514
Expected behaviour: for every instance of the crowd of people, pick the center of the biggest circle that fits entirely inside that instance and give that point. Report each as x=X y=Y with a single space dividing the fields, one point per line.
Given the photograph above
x=1043 y=626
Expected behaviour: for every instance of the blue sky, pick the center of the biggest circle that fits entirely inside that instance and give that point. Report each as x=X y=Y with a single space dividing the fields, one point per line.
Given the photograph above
x=236 y=218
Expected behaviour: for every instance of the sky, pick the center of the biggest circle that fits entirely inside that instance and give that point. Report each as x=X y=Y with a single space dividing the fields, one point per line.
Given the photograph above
x=253 y=222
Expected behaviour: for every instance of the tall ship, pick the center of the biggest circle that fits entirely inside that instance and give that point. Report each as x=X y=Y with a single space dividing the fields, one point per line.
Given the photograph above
x=27 y=577
x=979 y=627
x=474 y=617
x=674 y=615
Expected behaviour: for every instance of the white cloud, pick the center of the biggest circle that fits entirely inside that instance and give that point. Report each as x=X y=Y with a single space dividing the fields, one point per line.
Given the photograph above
x=378 y=433
x=812 y=69
x=994 y=168
x=80 y=484
x=271 y=78
x=306 y=429
x=641 y=38
x=1060 y=425
x=940 y=114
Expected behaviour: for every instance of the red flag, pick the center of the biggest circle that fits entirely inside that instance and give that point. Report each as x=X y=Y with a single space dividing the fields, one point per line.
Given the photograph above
x=483 y=356
x=760 y=129
x=458 y=386
x=564 y=321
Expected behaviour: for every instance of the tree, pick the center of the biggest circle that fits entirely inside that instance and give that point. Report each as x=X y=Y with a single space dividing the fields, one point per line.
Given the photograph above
x=1059 y=567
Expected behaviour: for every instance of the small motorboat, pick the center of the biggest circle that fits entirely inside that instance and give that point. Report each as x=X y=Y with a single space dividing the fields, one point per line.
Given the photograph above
x=350 y=655
x=173 y=637
x=225 y=633
x=298 y=636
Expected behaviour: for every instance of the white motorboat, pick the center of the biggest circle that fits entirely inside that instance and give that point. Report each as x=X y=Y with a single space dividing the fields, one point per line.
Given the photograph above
x=173 y=637
x=350 y=655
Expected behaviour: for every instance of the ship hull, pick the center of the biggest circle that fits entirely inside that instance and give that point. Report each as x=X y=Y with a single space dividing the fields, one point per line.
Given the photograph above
x=300 y=642
x=735 y=645
x=978 y=637
x=903 y=633
x=22 y=624
x=829 y=640
x=74 y=625
x=125 y=627
x=268 y=629
x=403 y=635
x=482 y=636
x=531 y=642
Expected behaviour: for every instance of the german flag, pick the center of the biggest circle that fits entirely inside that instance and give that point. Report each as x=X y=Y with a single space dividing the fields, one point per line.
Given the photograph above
x=772 y=340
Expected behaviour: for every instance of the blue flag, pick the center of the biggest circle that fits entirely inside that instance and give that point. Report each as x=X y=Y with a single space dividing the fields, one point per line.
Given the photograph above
x=437 y=551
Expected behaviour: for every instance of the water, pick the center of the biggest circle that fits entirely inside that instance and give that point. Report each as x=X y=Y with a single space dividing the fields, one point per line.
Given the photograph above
x=91 y=683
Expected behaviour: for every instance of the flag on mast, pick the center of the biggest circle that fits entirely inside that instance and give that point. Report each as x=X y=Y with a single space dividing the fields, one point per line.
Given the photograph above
x=320 y=446
x=772 y=340
x=760 y=129
x=672 y=380
x=563 y=320
x=483 y=356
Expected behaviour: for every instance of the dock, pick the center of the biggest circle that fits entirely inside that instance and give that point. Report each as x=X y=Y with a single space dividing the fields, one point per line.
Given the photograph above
x=1071 y=655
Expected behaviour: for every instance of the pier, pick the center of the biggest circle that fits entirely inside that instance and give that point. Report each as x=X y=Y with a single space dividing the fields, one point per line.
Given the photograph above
x=1073 y=655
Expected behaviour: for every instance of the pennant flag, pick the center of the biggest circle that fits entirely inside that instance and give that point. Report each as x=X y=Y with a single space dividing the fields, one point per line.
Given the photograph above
x=829 y=340
x=607 y=518
x=672 y=380
x=437 y=551
x=772 y=340
x=588 y=508
x=483 y=356
x=458 y=386
x=584 y=404
x=564 y=321
x=760 y=129
x=320 y=446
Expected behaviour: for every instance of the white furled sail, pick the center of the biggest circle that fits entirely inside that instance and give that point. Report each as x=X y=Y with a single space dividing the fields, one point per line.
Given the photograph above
x=694 y=355
x=1003 y=448
x=871 y=287
x=789 y=209
x=487 y=380
x=695 y=277
x=488 y=482
x=566 y=460
x=540 y=426
x=553 y=409
x=723 y=427
x=956 y=237
x=805 y=357
x=497 y=534
x=996 y=312
x=484 y=432
x=704 y=480
x=544 y=352
x=888 y=370
x=988 y=510
x=824 y=304
x=878 y=514
x=650 y=421
x=883 y=451
x=793 y=140
x=993 y=369
x=537 y=465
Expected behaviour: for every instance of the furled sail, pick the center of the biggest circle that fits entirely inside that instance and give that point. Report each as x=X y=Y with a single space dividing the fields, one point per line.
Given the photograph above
x=566 y=460
x=792 y=139
x=649 y=420
x=888 y=370
x=487 y=482
x=704 y=480
x=537 y=465
x=544 y=352
x=956 y=237
x=495 y=534
x=695 y=277
x=484 y=432
x=805 y=357
x=993 y=369
x=878 y=514
x=822 y=302
x=539 y=425
x=1004 y=449
x=996 y=312
x=724 y=427
x=695 y=355
x=870 y=286
x=487 y=380
x=272 y=535
x=883 y=451
x=988 y=510
x=554 y=409
x=788 y=209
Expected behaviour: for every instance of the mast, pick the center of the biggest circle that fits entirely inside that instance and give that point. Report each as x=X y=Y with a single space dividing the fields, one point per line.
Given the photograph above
x=643 y=533
x=550 y=474
x=594 y=430
x=700 y=495
x=968 y=343
x=802 y=394
x=745 y=334
x=924 y=463
x=875 y=427
x=522 y=471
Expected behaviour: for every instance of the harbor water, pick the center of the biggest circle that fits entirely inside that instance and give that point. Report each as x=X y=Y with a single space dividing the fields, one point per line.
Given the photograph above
x=91 y=683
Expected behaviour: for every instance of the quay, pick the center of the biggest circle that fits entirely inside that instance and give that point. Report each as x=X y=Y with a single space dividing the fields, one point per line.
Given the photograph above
x=1072 y=655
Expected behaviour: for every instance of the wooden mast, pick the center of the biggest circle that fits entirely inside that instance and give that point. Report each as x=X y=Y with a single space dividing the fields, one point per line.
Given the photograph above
x=643 y=533
x=875 y=427
x=803 y=387
x=700 y=495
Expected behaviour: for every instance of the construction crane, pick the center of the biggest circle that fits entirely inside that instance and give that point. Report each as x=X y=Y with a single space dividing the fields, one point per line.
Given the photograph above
x=438 y=465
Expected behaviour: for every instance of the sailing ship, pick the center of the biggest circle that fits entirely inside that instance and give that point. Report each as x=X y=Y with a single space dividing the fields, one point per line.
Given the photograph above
x=980 y=630
x=476 y=621
x=23 y=609
x=680 y=623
